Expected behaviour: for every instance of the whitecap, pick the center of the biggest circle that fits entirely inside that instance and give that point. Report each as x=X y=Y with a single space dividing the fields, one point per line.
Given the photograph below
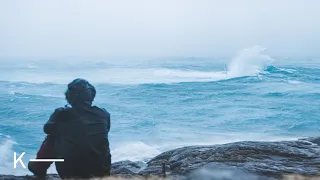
x=294 y=82
x=6 y=158
x=134 y=151
x=248 y=62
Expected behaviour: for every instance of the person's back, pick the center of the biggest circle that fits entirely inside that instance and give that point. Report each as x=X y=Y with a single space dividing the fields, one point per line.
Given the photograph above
x=80 y=139
x=80 y=134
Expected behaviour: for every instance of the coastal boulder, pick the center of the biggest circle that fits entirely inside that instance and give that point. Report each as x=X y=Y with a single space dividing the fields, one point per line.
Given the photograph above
x=264 y=159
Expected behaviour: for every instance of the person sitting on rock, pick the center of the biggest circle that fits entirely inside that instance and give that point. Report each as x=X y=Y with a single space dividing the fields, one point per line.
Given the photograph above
x=77 y=134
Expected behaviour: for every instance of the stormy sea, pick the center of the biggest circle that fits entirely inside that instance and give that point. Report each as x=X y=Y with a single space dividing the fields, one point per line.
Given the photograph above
x=157 y=104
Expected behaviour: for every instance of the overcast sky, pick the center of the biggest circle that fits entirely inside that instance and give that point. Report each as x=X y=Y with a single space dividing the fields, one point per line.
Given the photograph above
x=102 y=28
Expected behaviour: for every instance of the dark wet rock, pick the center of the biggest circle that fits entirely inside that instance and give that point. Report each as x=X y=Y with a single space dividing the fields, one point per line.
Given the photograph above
x=265 y=159
x=241 y=160
x=127 y=167
x=216 y=171
x=315 y=140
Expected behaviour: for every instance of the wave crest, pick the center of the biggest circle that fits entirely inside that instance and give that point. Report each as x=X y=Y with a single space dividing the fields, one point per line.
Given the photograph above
x=248 y=62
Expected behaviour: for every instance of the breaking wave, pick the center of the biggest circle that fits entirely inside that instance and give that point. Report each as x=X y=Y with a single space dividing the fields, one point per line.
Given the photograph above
x=248 y=62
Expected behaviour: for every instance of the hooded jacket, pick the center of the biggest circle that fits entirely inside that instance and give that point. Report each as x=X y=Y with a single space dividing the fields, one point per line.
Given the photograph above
x=80 y=134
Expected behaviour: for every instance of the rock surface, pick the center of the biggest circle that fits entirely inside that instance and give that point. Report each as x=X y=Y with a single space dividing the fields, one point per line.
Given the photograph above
x=266 y=159
x=241 y=160
x=127 y=168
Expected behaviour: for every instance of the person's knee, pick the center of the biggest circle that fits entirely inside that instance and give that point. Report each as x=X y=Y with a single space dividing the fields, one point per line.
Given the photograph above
x=32 y=166
x=38 y=168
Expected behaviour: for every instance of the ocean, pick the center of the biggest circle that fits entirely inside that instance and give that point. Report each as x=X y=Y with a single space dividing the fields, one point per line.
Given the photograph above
x=157 y=104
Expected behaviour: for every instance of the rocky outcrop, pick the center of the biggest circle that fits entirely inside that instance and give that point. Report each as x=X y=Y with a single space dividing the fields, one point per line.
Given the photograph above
x=241 y=160
x=265 y=159
x=127 y=168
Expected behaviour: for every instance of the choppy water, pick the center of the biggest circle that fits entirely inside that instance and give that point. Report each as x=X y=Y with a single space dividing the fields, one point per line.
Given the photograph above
x=159 y=104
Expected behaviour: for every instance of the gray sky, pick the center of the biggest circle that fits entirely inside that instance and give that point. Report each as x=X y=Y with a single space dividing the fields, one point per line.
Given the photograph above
x=103 y=28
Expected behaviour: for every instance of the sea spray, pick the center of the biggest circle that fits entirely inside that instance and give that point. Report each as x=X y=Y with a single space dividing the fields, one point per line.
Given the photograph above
x=6 y=156
x=249 y=62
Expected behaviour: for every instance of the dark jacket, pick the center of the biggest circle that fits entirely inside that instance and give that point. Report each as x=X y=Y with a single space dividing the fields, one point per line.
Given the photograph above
x=80 y=137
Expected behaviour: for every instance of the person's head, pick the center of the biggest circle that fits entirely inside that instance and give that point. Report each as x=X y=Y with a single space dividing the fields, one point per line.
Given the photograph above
x=80 y=93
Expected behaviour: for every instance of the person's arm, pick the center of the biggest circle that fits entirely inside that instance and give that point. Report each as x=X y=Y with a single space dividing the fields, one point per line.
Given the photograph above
x=109 y=122
x=108 y=119
x=49 y=126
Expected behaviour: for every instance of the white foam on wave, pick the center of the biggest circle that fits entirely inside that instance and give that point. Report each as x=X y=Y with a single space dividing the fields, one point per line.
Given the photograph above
x=120 y=76
x=154 y=76
x=294 y=82
x=6 y=158
x=15 y=93
x=248 y=62
x=134 y=151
